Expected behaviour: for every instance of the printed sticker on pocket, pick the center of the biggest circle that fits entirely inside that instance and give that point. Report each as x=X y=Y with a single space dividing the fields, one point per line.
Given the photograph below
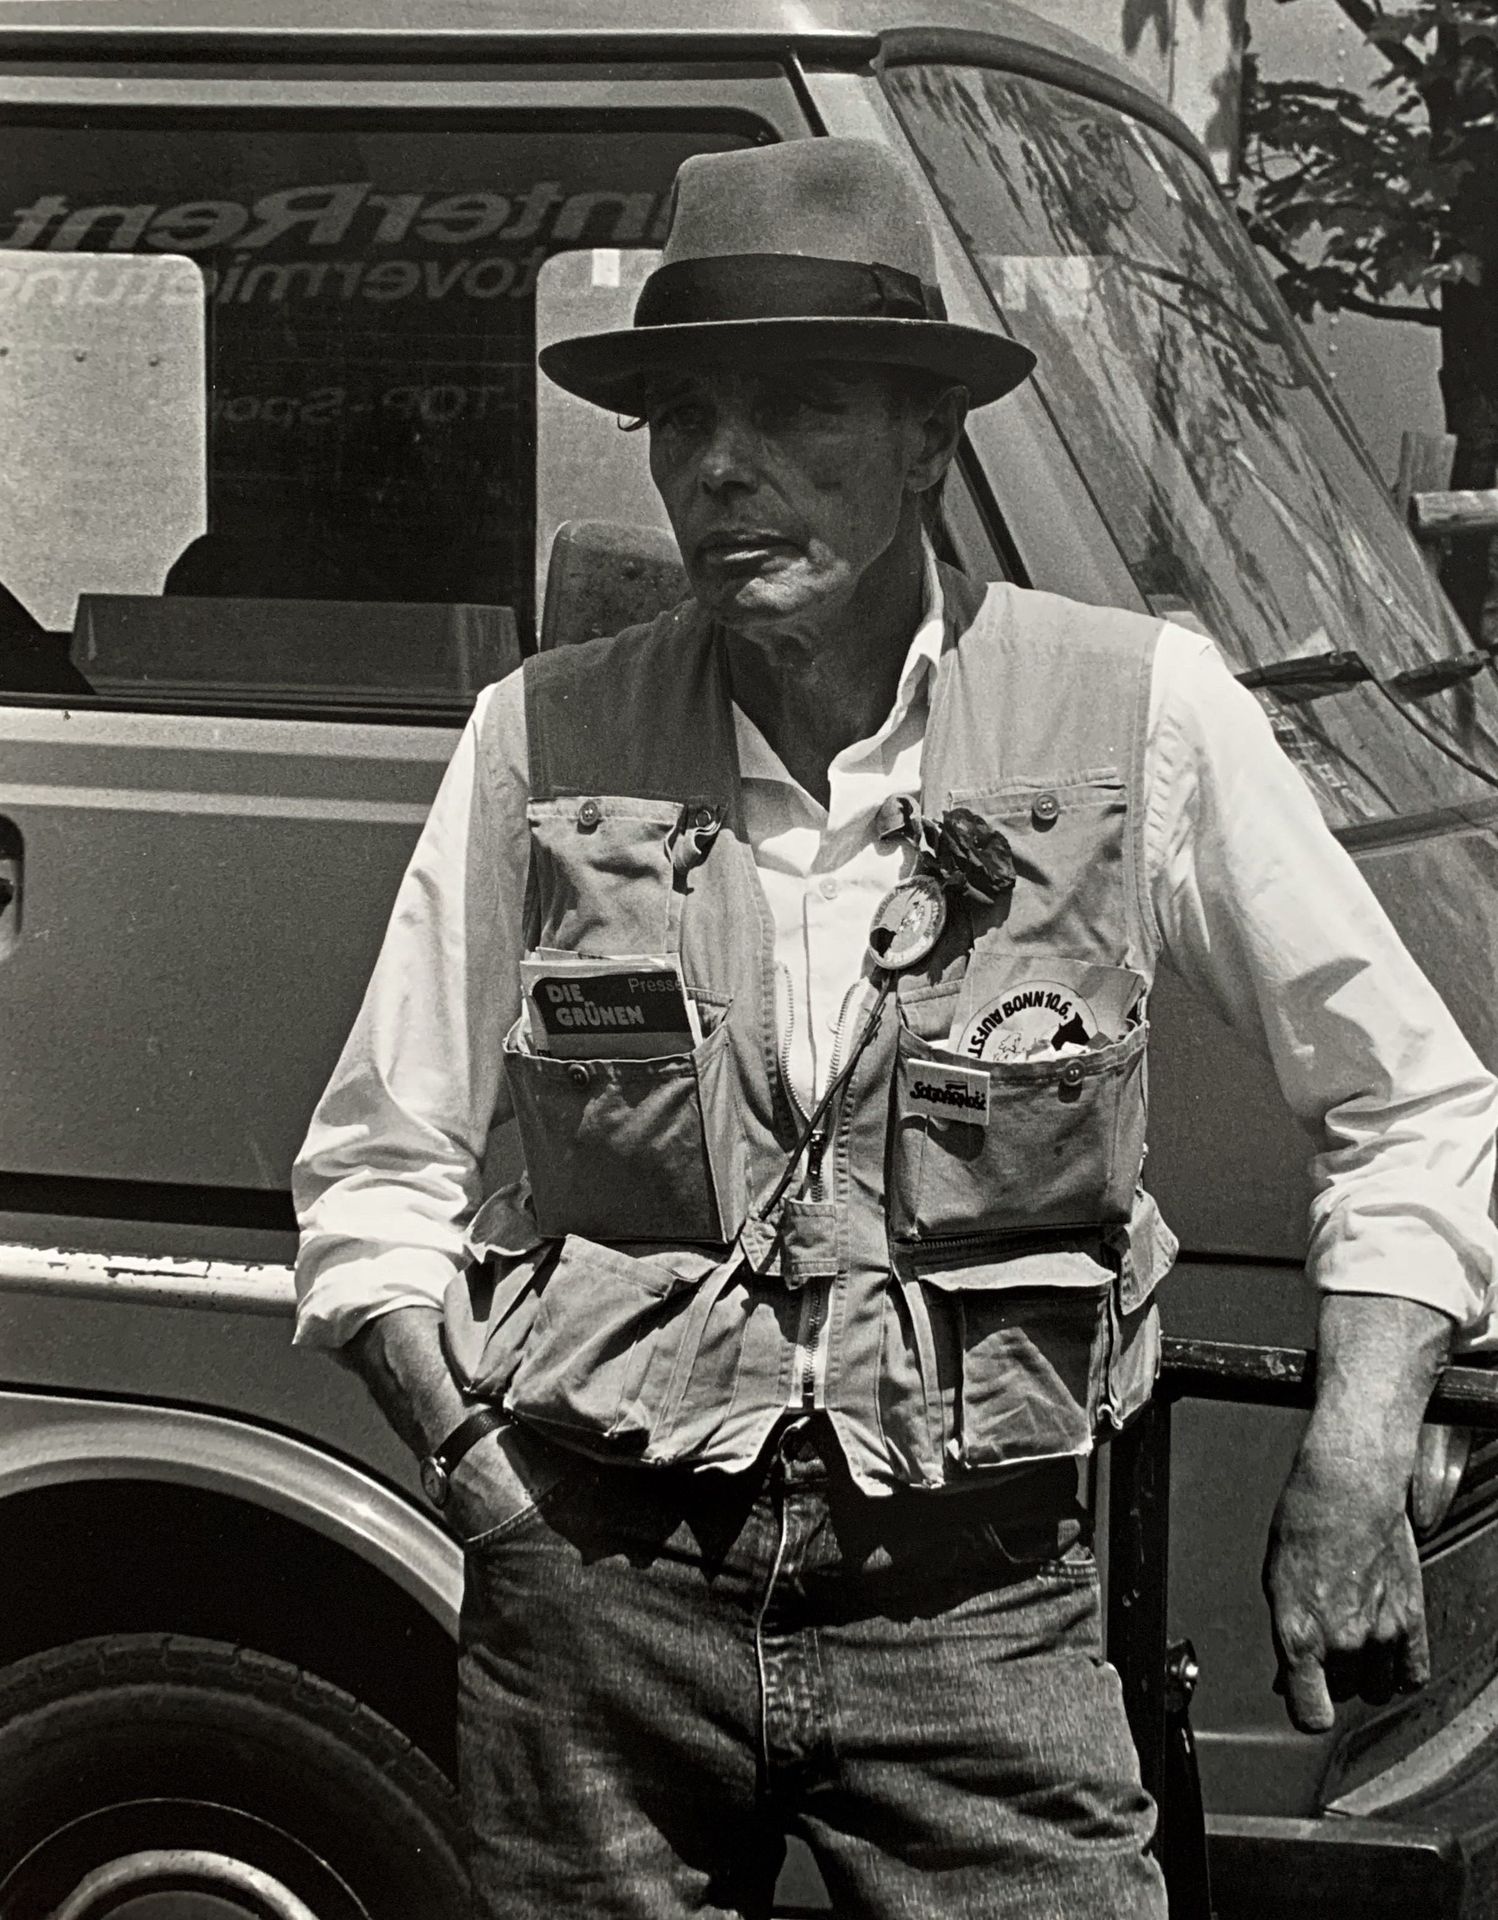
x=949 y=1093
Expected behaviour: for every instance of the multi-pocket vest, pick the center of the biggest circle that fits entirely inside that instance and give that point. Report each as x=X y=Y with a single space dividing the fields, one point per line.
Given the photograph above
x=958 y=1296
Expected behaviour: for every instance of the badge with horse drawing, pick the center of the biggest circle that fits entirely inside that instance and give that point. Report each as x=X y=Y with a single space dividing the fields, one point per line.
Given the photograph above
x=1006 y=1011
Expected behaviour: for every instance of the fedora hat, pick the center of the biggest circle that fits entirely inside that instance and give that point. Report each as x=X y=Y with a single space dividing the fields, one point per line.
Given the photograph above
x=812 y=250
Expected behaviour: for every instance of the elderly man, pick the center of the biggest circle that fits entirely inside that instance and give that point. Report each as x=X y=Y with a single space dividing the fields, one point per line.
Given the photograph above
x=760 y=1403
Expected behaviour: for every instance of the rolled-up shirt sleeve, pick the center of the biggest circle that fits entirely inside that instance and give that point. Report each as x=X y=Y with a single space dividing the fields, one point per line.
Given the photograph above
x=1261 y=910
x=390 y=1171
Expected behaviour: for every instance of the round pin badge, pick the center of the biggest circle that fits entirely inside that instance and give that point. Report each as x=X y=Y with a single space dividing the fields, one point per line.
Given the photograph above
x=907 y=923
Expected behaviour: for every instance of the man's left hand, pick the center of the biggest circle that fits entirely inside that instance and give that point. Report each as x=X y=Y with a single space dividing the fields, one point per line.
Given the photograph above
x=1343 y=1579
x=1342 y=1573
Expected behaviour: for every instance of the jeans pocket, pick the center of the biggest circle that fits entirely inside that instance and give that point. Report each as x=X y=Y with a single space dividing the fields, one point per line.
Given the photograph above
x=1058 y=1148
x=599 y=1358
x=515 y=1478
x=1024 y=1346
x=632 y=1149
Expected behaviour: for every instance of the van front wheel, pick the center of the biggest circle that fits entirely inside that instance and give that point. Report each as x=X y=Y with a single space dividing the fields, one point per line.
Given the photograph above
x=192 y=1780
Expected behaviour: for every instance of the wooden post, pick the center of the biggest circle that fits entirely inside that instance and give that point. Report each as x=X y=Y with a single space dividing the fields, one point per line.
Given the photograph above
x=1425 y=462
x=1447 y=515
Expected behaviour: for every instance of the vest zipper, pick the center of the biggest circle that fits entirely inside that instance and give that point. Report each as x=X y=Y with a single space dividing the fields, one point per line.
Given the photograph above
x=788 y=1031
x=808 y=1325
x=814 y=1301
x=983 y=1242
x=818 y=1143
x=809 y=1339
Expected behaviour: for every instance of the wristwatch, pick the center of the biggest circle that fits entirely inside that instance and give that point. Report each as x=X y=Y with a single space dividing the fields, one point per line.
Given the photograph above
x=437 y=1467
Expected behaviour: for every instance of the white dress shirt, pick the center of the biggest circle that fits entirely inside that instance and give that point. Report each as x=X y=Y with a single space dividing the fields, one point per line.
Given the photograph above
x=1256 y=906
x=824 y=870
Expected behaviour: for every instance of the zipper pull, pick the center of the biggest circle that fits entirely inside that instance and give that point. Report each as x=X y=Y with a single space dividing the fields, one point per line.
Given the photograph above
x=816 y=1147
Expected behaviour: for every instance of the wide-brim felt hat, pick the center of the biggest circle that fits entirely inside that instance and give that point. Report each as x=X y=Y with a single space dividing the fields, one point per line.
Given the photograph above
x=815 y=249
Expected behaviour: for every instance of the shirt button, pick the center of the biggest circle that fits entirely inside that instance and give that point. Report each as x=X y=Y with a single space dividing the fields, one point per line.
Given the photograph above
x=589 y=814
x=828 y=889
x=1045 y=809
x=577 y=1073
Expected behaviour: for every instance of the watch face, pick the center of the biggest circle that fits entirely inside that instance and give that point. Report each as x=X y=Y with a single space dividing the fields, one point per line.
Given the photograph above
x=434 y=1481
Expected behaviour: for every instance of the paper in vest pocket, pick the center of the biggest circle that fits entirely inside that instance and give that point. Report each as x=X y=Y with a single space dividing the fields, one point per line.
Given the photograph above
x=635 y=1007
x=1018 y=1007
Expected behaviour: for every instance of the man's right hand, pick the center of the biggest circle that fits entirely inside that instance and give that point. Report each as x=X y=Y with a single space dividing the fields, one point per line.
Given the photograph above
x=399 y=1357
x=504 y=1475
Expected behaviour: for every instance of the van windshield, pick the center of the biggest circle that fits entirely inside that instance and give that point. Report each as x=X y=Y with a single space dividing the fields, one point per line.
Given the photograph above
x=1206 y=432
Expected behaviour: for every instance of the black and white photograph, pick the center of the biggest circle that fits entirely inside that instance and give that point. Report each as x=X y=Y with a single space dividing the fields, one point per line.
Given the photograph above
x=748 y=959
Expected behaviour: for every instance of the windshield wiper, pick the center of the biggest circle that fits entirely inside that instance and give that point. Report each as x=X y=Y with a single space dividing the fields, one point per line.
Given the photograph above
x=1435 y=676
x=1309 y=676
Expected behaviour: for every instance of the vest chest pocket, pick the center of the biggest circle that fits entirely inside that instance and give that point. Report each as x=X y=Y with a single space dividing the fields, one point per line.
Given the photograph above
x=1069 y=835
x=1059 y=1147
x=631 y=1149
x=601 y=873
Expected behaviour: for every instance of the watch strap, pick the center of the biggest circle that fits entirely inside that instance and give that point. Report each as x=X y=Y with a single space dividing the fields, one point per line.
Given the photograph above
x=466 y=1434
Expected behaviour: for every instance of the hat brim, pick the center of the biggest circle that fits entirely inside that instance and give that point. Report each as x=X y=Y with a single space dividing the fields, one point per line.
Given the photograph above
x=615 y=370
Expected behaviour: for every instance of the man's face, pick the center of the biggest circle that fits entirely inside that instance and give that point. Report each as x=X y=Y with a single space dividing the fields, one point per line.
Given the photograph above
x=783 y=485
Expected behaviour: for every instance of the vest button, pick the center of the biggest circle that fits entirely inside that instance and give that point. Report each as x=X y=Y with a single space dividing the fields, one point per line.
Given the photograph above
x=589 y=814
x=703 y=817
x=1045 y=809
x=577 y=1073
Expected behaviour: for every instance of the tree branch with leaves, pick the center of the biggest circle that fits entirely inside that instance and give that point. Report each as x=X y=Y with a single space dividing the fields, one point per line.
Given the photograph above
x=1385 y=203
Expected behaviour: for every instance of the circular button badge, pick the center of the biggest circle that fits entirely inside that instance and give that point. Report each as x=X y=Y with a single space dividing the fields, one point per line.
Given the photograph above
x=907 y=923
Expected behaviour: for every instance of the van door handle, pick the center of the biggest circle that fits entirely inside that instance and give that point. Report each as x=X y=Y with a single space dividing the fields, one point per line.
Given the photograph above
x=12 y=856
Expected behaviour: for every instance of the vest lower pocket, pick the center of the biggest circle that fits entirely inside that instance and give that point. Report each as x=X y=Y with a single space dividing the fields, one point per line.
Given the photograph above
x=1021 y=1350
x=632 y=1149
x=487 y=1314
x=599 y=1358
x=1059 y=1148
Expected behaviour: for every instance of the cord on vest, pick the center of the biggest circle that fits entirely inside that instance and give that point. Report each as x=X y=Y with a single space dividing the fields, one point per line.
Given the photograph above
x=813 y=1127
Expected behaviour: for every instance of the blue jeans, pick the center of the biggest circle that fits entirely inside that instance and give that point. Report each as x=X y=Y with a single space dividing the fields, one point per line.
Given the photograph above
x=664 y=1673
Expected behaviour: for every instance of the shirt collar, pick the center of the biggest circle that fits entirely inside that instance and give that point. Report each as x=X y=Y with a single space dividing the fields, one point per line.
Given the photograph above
x=758 y=760
x=920 y=660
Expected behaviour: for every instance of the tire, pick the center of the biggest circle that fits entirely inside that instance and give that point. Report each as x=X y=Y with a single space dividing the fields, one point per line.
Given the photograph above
x=128 y=1748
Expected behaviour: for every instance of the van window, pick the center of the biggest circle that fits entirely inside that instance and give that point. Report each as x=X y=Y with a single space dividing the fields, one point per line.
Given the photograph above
x=370 y=291
x=1199 y=420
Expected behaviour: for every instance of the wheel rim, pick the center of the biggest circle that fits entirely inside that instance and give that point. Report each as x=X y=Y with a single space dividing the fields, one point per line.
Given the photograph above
x=176 y=1860
x=166 y=1881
